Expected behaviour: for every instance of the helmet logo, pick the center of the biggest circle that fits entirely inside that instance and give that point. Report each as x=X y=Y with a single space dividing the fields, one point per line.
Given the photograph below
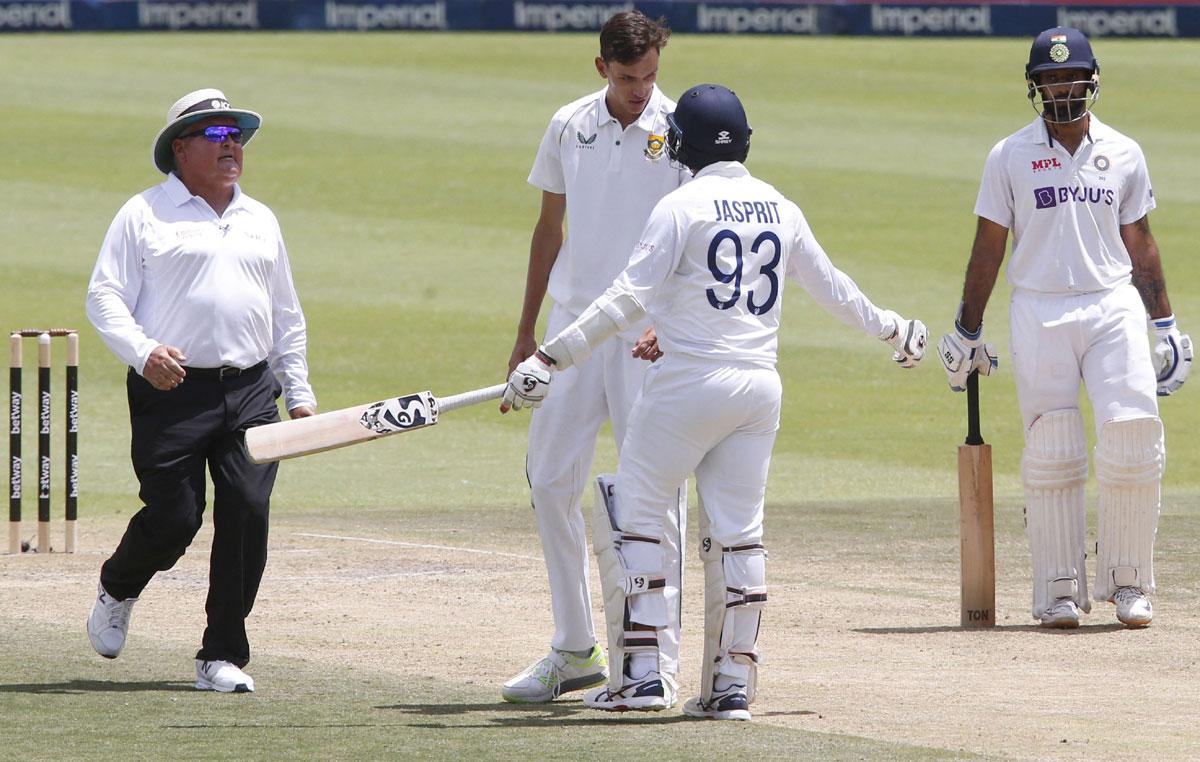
x=219 y=103
x=1059 y=52
x=723 y=138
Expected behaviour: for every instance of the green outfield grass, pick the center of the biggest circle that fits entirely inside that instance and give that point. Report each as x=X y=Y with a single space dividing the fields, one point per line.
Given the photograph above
x=396 y=164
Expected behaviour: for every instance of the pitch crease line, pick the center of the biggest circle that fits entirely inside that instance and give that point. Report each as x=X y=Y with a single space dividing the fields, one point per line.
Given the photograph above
x=416 y=545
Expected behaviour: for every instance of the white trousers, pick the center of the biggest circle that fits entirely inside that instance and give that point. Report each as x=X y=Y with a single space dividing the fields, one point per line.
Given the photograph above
x=716 y=421
x=1098 y=339
x=562 y=442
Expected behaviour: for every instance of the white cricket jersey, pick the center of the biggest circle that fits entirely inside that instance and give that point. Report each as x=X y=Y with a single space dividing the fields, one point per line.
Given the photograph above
x=612 y=178
x=1065 y=212
x=171 y=271
x=710 y=264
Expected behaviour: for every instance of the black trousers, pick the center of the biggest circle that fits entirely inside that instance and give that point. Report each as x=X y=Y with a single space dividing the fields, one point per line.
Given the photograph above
x=174 y=435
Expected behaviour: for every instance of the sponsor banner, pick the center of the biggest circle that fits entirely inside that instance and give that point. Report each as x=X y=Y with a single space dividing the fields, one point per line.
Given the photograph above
x=1097 y=18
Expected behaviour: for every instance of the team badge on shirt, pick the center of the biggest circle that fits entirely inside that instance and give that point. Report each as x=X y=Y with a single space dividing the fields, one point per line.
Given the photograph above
x=654 y=146
x=1101 y=163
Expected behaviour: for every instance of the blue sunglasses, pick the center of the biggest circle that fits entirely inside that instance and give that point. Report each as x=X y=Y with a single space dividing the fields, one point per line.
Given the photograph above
x=218 y=133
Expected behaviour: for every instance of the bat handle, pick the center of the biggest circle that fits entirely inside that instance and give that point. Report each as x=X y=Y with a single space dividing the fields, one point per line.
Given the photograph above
x=973 y=435
x=471 y=398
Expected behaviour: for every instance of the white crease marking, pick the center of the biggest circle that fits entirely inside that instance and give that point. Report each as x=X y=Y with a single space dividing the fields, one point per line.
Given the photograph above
x=416 y=545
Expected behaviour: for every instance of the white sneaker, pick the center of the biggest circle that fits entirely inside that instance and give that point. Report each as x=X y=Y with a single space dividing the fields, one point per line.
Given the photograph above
x=652 y=693
x=556 y=673
x=109 y=623
x=730 y=705
x=1133 y=607
x=1063 y=614
x=223 y=677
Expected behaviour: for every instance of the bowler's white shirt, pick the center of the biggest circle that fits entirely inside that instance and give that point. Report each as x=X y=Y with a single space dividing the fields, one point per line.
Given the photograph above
x=672 y=271
x=171 y=271
x=1065 y=212
x=612 y=178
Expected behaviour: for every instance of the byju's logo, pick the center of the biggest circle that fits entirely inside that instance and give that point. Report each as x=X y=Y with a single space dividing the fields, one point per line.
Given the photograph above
x=1052 y=196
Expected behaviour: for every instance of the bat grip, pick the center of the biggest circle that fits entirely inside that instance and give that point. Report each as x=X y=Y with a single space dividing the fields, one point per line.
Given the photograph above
x=455 y=401
x=973 y=435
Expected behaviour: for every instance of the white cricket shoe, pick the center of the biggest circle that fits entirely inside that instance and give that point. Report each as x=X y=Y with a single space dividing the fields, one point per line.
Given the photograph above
x=1133 y=607
x=1063 y=614
x=223 y=677
x=109 y=623
x=652 y=693
x=556 y=673
x=730 y=705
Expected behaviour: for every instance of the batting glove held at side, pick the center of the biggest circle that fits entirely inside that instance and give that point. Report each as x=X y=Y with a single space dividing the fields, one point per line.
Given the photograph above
x=963 y=352
x=1172 y=355
x=908 y=338
x=528 y=383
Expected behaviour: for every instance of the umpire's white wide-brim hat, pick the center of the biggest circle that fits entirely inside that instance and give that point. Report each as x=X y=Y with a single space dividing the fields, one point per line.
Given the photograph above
x=190 y=109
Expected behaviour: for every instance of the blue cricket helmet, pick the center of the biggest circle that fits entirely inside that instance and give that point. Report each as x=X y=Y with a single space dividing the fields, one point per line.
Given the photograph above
x=709 y=125
x=1062 y=47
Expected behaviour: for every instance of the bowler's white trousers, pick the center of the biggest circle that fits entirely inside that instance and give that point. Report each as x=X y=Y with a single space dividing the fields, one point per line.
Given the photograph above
x=714 y=420
x=1100 y=338
x=562 y=441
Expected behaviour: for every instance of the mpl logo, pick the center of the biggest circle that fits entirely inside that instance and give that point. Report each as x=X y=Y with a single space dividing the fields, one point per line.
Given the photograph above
x=1041 y=165
x=1045 y=197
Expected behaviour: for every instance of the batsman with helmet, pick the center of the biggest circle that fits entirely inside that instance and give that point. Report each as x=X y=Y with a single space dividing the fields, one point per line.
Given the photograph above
x=709 y=269
x=1086 y=279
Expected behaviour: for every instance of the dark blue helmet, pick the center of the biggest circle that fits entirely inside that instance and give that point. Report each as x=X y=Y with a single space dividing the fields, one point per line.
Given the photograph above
x=1060 y=48
x=709 y=125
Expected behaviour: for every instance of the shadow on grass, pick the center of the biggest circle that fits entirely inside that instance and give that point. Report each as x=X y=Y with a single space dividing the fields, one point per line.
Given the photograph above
x=543 y=715
x=98 y=686
x=1086 y=629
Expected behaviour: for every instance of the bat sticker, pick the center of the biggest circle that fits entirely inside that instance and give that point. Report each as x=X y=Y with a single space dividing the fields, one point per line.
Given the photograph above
x=412 y=411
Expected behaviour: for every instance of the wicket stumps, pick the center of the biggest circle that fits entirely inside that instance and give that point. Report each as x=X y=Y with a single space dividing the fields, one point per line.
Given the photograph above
x=15 y=425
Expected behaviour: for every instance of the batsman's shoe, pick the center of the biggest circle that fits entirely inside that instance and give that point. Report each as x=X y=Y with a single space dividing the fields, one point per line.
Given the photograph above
x=223 y=677
x=730 y=705
x=1063 y=614
x=109 y=623
x=556 y=673
x=1133 y=607
x=650 y=694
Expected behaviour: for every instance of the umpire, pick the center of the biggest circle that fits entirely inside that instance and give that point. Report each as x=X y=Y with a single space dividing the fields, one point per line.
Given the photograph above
x=193 y=291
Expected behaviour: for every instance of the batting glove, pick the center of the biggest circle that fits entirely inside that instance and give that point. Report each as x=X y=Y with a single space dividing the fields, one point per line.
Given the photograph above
x=908 y=338
x=528 y=383
x=963 y=352
x=1172 y=355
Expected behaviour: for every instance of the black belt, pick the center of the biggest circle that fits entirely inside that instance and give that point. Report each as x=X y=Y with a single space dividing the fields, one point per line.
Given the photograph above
x=223 y=373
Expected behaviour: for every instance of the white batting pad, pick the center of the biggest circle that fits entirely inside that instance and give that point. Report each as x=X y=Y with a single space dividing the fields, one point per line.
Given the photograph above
x=735 y=591
x=1054 y=470
x=1130 y=458
x=630 y=567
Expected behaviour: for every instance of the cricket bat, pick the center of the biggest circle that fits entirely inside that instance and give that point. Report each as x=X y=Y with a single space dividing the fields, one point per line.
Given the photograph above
x=976 y=525
x=351 y=425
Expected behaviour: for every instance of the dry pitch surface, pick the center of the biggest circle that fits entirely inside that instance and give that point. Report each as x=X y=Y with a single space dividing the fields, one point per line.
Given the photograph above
x=852 y=648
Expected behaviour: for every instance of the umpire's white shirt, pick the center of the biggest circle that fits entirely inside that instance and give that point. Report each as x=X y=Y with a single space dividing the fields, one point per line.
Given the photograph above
x=710 y=264
x=1065 y=212
x=171 y=271
x=612 y=178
